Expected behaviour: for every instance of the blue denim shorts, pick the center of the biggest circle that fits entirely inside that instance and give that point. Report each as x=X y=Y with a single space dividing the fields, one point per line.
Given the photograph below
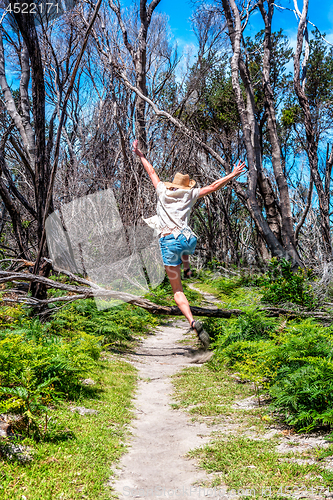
x=173 y=248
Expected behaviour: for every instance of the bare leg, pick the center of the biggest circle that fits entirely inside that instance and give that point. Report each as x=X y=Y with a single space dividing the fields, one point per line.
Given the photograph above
x=173 y=273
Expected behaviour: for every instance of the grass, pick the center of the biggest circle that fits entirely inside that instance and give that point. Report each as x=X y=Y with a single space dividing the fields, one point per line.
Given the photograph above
x=75 y=461
x=238 y=458
x=231 y=298
x=241 y=462
x=163 y=294
x=76 y=457
x=205 y=392
x=73 y=458
x=242 y=459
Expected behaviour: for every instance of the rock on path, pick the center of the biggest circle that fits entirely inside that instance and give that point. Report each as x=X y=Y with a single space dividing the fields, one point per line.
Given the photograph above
x=155 y=465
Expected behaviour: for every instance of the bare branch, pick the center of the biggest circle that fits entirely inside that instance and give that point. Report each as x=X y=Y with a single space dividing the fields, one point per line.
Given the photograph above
x=305 y=212
x=11 y=107
x=15 y=191
x=180 y=125
x=116 y=10
x=61 y=122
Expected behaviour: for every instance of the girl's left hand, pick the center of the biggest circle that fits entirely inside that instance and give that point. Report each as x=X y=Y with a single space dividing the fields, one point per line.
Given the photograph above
x=136 y=150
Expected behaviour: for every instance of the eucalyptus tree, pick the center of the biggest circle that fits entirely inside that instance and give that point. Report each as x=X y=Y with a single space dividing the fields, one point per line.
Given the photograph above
x=218 y=113
x=313 y=78
x=134 y=37
x=277 y=209
x=34 y=116
x=237 y=18
x=29 y=140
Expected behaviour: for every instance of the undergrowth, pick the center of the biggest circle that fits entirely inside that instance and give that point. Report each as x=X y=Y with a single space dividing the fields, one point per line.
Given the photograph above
x=282 y=284
x=250 y=470
x=42 y=364
x=76 y=456
x=163 y=294
x=289 y=360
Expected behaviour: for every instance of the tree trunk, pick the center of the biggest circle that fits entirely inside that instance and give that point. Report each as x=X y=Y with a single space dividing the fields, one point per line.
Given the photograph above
x=27 y=28
x=90 y=289
x=15 y=217
x=312 y=145
x=285 y=205
x=250 y=132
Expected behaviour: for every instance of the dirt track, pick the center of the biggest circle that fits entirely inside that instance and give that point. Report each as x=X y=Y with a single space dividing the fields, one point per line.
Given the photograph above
x=155 y=465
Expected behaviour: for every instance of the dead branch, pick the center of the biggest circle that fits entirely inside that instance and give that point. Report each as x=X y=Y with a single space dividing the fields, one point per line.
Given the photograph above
x=93 y=290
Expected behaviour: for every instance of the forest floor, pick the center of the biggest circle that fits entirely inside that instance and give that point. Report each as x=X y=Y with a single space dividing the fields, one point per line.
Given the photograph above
x=194 y=428
x=202 y=433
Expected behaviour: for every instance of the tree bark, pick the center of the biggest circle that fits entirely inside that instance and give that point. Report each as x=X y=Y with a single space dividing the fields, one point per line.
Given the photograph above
x=312 y=143
x=139 y=57
x=14 y=215
x=27 y=28
x=285 y=205
x=250 y=132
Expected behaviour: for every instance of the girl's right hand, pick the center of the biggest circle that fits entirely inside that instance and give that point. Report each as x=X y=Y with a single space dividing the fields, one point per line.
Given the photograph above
x=136 y=150
x=239 y=168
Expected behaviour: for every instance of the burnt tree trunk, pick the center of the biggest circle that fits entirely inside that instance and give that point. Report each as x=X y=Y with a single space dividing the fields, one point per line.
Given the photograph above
x=26 y=24
x=251 y=138
x=287 y=235
x=28 y=31
x=312 y=142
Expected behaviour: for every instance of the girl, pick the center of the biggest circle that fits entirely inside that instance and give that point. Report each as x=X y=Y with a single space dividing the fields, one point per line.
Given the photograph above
x=177 y=241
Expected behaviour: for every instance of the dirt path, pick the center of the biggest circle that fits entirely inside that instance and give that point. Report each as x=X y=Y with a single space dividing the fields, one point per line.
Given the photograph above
x=156 y=465
x=162 y=436
x=208 y=298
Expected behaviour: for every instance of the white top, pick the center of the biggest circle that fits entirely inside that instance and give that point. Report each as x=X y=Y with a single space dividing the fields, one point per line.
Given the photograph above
x=173 y=210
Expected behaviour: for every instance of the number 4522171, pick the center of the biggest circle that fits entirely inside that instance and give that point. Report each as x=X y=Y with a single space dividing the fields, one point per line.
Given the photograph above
x=32 y=8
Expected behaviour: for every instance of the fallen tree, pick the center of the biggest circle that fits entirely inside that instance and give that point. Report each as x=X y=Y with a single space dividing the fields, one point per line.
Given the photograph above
x=81 y=288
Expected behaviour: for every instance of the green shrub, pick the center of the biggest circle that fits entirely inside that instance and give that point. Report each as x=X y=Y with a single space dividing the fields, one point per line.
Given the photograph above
x=302 y=385
x=228 y=286
x=214 y=264
x=29 y=401
x=36 y=369
x=42 y=363
x=293 y=363
x=46 y=358
x=253 y=279
x=163 y=294
x=284 y=285
x=117 y=324
x=305 y=394
x=225 y=286
x=215 y=327
x=253 y=325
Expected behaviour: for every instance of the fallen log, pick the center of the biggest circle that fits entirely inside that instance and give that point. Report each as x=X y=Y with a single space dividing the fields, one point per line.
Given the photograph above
x=101 y=293
x=88 y=289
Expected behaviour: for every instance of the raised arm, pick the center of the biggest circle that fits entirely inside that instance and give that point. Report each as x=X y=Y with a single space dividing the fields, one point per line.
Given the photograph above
x=238 y=170
x=147 y=166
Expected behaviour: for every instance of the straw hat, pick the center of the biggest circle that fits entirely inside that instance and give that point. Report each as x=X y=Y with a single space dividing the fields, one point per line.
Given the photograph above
x=181 y=181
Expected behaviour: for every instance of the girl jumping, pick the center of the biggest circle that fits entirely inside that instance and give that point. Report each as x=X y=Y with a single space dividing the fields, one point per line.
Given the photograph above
x=177 y=241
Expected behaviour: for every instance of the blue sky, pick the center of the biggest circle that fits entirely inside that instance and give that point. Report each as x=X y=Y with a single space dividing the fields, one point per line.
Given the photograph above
x=179 y=12
x=320 y=13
